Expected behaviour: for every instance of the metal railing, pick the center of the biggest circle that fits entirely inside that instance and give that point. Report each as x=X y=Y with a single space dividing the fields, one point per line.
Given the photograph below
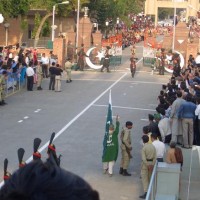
x=15 y=82
x=151 y=193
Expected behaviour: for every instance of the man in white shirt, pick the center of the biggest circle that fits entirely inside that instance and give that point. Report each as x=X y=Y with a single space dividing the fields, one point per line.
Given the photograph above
x=45 y=65
x=159 y=146
x=197 y=114
x=30 y=73
x=197 y=60
x=165 y=128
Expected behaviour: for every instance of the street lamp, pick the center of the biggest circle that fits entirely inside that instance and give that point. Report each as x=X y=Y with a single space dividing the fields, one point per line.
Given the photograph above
x=6 y=25
x=107 y=24
x=117 y=24
x=174 y=29
x=53 y=20
x=1 y=18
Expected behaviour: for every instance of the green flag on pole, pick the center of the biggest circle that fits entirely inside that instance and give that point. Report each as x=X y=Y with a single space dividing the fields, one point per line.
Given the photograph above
x=108 y=122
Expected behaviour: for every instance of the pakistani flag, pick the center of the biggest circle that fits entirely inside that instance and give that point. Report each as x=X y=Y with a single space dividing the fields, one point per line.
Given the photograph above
x=108 y=122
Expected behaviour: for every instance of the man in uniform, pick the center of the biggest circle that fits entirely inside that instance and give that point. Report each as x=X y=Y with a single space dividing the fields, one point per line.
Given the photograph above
x=162 y=67
x=81 y=55
x=68 y=69
x=106 y=61
x=39 y=75
x=126 y=148
x=148 y=161
x=3 y=78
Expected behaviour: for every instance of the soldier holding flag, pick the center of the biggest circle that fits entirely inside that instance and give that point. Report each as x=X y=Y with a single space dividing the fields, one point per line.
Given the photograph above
x=110 y=143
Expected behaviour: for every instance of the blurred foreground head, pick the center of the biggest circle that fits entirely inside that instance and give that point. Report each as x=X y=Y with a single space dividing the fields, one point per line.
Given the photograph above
x=45 y=181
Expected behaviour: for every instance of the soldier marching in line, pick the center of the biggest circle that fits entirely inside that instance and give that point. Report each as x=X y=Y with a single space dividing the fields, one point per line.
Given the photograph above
x=36 y=153
x=126 y=148
x=3 y=78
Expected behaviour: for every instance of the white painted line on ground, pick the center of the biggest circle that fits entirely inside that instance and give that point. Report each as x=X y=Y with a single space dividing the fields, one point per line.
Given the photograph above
x=144 y=119
x=38 y=110
x=73 y=120
x=77 y=116
x=131 y=108
x=20 y=121
x=26 y=117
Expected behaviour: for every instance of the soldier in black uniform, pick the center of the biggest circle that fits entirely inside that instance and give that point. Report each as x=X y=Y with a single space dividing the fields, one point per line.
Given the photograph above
x=106 y=61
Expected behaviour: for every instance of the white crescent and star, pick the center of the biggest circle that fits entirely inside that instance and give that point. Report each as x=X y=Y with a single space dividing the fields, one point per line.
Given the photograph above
x=88 y=61
x=182 y=62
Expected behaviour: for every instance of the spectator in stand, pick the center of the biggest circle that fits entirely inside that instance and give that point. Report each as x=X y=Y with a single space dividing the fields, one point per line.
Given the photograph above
x=30 y=77
x=186 y=113
x=197 y=60
x=197 y=114
x=164 y=128
x=176 y=126
x=159 y=146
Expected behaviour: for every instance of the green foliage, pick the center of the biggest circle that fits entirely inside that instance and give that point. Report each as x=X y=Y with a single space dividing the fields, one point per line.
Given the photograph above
x=46 y=31
x=163 y=13
x=24 y=24
x=36 y=24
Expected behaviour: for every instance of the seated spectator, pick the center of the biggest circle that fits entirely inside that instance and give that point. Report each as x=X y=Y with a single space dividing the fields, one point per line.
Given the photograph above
x=42 y=181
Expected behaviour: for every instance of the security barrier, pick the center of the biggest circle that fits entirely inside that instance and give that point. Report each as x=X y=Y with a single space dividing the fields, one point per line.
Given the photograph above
x=147 y=61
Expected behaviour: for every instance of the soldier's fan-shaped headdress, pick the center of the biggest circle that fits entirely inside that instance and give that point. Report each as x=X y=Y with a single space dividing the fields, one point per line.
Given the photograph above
x=36 y=144
x=6 y=173
x=20 y=153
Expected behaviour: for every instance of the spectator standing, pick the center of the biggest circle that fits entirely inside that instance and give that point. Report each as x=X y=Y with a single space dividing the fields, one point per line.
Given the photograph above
x=45 y=65
x=165 y=128
x=30 y=77
x=197 y=60
x=186 y=113
x=176 y=125
x=160 y=148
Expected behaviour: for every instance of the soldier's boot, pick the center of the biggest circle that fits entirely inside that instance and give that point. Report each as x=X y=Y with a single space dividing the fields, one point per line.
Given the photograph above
x=143 y=196
x=1 y=103
x=121 y=170
x=125 y=173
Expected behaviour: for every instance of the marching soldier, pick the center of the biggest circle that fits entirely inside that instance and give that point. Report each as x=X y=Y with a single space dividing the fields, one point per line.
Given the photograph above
x=3 y=78
x=20 y=153
x=148 y=162
x=126 y=148
x=68 y=69
x=6 y=173
x=36 y=153
x=106 y=61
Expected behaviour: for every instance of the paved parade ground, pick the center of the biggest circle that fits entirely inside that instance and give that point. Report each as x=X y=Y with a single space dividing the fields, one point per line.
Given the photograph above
x=78 y=116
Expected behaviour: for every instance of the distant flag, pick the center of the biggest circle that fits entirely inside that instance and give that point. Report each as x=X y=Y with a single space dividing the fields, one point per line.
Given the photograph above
x=108 y=122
